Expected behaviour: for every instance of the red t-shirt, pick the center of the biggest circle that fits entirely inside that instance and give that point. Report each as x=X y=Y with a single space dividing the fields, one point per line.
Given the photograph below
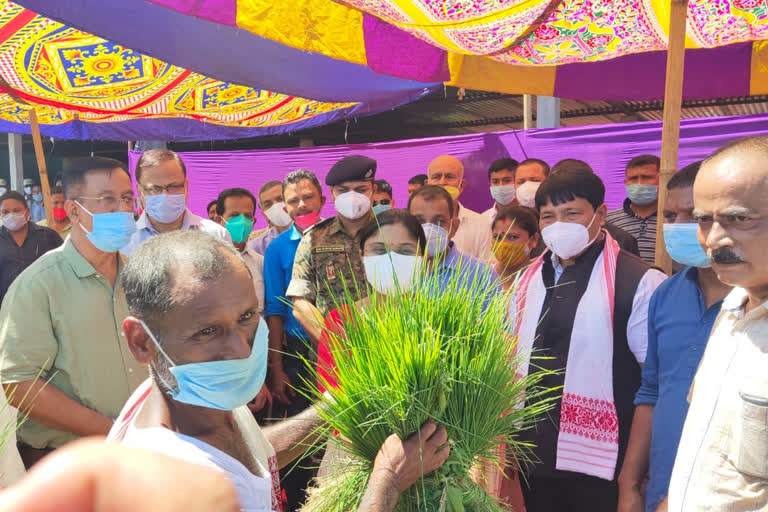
x=326 y=366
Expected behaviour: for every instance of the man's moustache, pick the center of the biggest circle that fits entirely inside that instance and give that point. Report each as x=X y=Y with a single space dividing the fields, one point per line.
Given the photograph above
x=725 y=256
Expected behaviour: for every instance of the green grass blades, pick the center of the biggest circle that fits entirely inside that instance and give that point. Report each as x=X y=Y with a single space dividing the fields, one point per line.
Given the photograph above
x=443 y=352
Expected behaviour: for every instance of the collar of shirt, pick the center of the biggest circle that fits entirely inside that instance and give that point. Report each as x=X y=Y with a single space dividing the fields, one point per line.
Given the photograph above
x=335 y=225
x=628 y=210
x=293 y=233
x=557 y=265
x=735 y=302
x=77 y=261
x=191 y=221
x=463 y=212
x=451 y=259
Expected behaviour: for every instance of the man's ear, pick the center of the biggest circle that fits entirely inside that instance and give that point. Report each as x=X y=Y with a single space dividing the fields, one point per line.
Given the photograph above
x=322 y=202
x=141 y=345
x=455 y=224
x=602 y=214
x=73 y=212
x=462 y=185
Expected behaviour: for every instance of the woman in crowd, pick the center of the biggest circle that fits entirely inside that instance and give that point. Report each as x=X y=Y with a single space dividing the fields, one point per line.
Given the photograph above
x=515 y=235
x=391 y=247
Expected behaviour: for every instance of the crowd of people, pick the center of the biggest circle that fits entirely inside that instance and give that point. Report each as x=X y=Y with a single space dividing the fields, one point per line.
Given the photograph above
x=135 y=319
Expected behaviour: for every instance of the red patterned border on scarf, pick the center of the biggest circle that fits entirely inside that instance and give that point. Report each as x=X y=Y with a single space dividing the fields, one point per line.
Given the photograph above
x=589 y=418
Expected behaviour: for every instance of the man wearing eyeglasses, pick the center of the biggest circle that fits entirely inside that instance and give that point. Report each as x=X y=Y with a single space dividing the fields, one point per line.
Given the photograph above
x=63 y=356
x=161 y=180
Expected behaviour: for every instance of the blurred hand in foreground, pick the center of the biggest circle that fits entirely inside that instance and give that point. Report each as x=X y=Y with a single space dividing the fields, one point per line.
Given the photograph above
x=93 y=476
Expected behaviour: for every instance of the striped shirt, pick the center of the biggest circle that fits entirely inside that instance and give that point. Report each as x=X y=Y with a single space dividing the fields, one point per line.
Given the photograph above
x=642 y=230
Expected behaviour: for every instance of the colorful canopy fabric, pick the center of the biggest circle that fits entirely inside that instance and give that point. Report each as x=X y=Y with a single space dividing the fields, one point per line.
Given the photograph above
x=602 y=49
x=76 y=80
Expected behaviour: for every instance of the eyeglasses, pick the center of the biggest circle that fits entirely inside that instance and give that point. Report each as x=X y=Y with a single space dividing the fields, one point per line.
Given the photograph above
x=382 y=202
x=111 y=203
x=155 y=190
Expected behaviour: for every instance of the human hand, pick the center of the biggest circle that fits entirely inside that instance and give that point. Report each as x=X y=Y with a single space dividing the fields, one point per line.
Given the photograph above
x=407 y=461
x=630 y=499
x=280 y=386
x=94 y=476
x=262 y=399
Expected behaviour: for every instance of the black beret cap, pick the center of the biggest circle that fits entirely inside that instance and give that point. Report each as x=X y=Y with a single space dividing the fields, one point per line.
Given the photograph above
x=351 y=168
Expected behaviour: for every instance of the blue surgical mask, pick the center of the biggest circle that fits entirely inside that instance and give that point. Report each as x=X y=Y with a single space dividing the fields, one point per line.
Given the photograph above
x=37 y=197
x=683 y=246
x=224 y=385
x=111 y=231
x=642 y=195
x=381 y=208
x=166 y=208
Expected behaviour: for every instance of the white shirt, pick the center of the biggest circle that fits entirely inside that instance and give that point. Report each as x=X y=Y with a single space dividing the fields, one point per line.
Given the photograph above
x=491 y=213
x=255 y=491
x=474 y=234
x=722 y=460
x=255 y=262
x=145 y=231
x=11 y=466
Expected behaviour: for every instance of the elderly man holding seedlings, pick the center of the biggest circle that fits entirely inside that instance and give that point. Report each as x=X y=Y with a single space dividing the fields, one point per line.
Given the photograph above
x=194 y=323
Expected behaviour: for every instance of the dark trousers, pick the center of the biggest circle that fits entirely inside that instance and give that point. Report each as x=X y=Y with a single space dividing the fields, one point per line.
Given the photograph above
x=295 y=478
x=572 y=492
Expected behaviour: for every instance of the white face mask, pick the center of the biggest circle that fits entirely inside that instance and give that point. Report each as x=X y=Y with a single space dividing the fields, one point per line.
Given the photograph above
x=567 y=239
x=503 y=194
x=28 y=190
x=3 y=190
x=277 y=215
x=391 y=272
x=352 y=205
x=14 y=221
x=437 y=239
x=526 y=193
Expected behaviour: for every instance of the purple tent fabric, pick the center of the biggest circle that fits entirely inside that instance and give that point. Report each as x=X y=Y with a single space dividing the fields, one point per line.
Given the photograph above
x=607 y=148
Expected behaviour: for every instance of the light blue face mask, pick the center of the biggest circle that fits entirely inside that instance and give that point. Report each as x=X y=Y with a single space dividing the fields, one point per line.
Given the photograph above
x=381 y=208
x=683 y=246
x=642 y=195
x=37 y=197
x=166 y=208
x=111 y=231
x=223 y=385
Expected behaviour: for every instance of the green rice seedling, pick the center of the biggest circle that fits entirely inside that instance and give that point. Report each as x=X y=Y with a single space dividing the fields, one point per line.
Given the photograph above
x=443 y=351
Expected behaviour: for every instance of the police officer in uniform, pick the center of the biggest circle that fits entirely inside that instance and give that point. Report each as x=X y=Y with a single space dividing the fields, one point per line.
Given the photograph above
x=328 y=256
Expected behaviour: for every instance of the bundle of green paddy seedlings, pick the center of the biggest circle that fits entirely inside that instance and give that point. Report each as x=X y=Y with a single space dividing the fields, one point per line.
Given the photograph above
x=442 y=351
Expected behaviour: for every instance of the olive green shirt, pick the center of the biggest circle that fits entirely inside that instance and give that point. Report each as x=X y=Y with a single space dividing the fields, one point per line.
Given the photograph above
x=64 y=232
x=326 y=260
x=63 y=321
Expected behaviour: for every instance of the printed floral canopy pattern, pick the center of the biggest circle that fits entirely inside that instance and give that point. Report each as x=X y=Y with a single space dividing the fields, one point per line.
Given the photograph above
x=72 y=74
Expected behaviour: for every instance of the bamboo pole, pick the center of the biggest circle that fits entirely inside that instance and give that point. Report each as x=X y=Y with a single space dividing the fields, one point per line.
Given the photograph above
x=41 y=167
x=670 y=132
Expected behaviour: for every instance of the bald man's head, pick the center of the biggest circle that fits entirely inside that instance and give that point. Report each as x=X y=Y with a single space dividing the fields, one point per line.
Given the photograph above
x=447 y=171
x=731 y=209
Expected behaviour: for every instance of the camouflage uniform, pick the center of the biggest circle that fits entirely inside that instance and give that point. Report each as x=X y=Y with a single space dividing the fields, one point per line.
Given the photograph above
x=326 y=259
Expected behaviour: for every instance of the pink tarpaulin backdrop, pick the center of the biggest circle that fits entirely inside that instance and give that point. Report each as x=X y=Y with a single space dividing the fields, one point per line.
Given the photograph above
x=607 y=148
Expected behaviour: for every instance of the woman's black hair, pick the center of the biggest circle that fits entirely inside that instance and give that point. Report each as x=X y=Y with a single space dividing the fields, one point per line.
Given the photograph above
x=520 y=216
x=394 y=216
